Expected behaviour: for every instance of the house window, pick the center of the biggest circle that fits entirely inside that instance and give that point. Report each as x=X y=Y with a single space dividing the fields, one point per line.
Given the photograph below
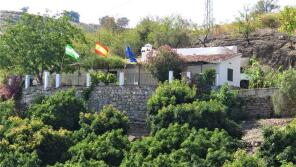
x=230 y=74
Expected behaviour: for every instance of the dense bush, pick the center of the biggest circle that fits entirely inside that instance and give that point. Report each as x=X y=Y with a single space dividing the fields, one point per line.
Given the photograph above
x=269 y=20
x=231 y=100
x=284 y=100
x=109 y=147
x=199 y=114
x=204 y=83
x=177 y=92
x=6 y=110
x=242 y=159
x=181 y=146
x=106 y=120
x=98 y=62
x=279 y=145
x=24 y=137
x=165 y=60
x=102 y=77
x=261 y=76
x=82 y=163
x=60 y=110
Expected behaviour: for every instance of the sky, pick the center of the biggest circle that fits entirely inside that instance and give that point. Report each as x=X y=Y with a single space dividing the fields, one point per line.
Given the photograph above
x=91 y=10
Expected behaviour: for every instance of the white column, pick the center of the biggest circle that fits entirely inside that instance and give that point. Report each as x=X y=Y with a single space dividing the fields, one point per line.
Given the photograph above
x=171 y=76
x=217 y=79
x=27 y=81
x=188 y=74
x=88 y=80
x=121 y=78
x=58 y=80
x=9 y=81
x=46 y=80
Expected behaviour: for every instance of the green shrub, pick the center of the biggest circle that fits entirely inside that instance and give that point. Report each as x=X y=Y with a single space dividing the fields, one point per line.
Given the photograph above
x=231 y=100
x=82 y=163
x=181 y=146
x=13 y=158
x=102 y=77
x=60 y=110
x=109 y=147
x=200 y=114
x=242 y=159
x=107 y=119
x=204 y=83
x=262 y=77
x=32 y=138
x=98 y=62
x=6 y=110
x=284 y=100
x=279 y=146
x=177 y=92
x=269 y=20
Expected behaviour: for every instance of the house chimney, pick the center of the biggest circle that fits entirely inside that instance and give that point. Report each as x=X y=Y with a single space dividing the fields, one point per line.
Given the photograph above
x=145 y=50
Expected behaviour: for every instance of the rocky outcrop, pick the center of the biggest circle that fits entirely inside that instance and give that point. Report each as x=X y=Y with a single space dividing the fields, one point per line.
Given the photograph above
x=269 y=46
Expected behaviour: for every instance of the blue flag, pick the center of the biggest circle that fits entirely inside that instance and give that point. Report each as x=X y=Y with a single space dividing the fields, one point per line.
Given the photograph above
x=130 y=55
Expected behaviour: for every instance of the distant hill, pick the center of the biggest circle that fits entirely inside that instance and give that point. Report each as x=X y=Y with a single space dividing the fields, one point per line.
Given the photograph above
x=15 y=15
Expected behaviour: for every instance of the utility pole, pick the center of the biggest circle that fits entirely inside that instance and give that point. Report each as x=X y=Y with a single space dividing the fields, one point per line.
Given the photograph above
x=208 y=16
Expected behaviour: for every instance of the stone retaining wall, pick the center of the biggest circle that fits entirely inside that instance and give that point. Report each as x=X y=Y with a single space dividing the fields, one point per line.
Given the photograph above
x=130 y=99
x=258 y=102
x=133 y=99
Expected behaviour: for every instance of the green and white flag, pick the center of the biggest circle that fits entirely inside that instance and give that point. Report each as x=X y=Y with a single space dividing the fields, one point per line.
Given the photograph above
x=71 y=52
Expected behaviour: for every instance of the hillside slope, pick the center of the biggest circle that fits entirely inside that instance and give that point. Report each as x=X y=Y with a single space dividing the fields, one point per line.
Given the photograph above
x=269 y=46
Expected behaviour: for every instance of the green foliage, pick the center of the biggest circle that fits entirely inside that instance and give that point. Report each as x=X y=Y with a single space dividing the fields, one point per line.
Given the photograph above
x=24 y=137
x=231 y=100
x=6 y=110
x=242 y=159
x=164 y=61
x=261 y=77
x=204 y=83
x=181 y=146
x=106 y=120
x=245 y=23
x=73 y=16
x=177 y=92
x=37 y=43
x=60 y=110
x=109 y=147
x=84 y=163
x=284 y=99
x=288 y=20
x=98 y=62
x=279 y=145
x=102 y=77
x=199 y=114
x=269 y=20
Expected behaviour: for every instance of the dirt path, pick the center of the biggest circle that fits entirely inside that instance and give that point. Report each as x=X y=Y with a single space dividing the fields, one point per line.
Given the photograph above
x=253 y=130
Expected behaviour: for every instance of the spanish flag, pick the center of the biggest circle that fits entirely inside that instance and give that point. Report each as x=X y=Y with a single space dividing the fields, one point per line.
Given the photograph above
x=101 y=49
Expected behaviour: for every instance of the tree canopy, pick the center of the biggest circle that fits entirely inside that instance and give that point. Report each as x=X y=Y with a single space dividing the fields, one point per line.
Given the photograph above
x=37 y=43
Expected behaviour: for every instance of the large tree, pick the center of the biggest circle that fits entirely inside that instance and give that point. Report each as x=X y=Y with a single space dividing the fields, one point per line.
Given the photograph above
x=165 y=60
x=265 y=6
x=74 y=16
x=37 y=43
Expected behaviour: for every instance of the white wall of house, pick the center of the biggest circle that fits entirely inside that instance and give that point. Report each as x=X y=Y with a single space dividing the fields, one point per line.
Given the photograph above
x=222 y=72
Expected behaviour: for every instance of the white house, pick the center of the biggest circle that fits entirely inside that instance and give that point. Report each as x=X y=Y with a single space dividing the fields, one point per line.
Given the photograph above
x=225 y=60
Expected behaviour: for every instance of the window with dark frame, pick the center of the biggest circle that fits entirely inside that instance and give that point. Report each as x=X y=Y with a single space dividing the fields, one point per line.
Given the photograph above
x=230 y=74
